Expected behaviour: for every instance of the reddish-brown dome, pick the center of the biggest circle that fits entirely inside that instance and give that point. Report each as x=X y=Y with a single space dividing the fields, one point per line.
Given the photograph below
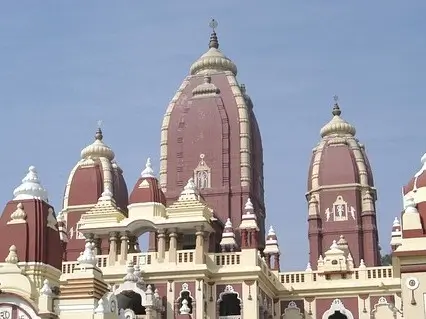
x=87 y=180
x=147 y=189
x=342 y=193
x=339 y=158
x=415 y=191
x=418 y=181
x=28 y=222
x=94 y=174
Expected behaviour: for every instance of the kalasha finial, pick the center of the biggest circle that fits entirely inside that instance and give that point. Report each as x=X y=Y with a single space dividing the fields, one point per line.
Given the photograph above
x=98 y=134
x=214 y=43
x=336 y=108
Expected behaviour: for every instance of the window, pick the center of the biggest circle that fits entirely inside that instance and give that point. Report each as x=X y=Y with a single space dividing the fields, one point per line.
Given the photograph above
x=202 y=174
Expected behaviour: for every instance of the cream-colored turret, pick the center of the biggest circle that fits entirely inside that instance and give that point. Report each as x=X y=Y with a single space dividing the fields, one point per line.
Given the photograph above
x=228 y=242
x=272 y=250
x=80 y=294
x=248 y=227
x=396 y=237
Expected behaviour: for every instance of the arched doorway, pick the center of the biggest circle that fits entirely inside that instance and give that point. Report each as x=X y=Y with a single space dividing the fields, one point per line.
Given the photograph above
x=337 y=315
x=337 y=310
x=229 y=303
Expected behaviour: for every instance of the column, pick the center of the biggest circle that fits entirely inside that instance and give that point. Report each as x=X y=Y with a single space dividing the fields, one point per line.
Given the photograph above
x=112 y=248
x=132 y=244
x=277 y=262
x=244 y=239
x=199 y=246
x=253 y=239
x=161 y=238
x=124 y=248
x=98 y=242
x=149 y=312
x=173 y=246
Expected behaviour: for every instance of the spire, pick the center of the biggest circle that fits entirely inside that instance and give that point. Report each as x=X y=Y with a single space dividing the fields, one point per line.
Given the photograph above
x=98 y=148
x=213 y=60
x=214 y=43
x=337 y=125
x=30 y=187
x=228 y=236
x=271 y=243
x=148 y=172
x=98 y=134
x=249 y=219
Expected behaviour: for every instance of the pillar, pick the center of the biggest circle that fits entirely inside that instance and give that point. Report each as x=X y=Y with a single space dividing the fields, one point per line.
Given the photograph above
x=161 y=238
x=124 y=248
x=199 y=246
x=112 y=256
x=244 y=239
x=173 y=246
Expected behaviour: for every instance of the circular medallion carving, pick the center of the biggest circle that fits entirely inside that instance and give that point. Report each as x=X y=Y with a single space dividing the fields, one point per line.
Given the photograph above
x=412 y=283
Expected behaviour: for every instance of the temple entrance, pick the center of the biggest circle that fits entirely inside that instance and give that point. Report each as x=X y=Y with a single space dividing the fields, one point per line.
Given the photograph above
x=337 y=315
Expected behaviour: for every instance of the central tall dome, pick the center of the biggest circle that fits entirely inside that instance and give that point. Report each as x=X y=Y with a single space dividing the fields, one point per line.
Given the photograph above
x=210 y=133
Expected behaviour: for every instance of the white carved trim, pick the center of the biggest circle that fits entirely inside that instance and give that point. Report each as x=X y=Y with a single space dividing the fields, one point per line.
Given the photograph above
x=382 y=302
x=185 y=288
x=20 y=303
x=131 y=286
x=229 y=290
x=337 y=305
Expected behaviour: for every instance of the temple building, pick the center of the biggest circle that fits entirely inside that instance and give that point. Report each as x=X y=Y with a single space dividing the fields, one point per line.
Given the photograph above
x=211 y=254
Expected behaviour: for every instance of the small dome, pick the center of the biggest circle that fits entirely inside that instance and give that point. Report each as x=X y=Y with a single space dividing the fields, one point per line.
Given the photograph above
x=93 y=174
x=418 y=181
x=339 y=158
x=147 y=188
x=337 y=125
x=213 y=60
x=98 y=148
x=30 y=187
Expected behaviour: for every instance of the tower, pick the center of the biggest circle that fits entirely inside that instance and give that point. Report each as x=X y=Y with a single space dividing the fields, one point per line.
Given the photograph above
x=341 y=194
x=210 y=133
x=96 y=172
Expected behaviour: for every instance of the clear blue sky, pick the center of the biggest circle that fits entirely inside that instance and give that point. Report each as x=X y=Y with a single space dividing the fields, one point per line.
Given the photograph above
x=66 y=64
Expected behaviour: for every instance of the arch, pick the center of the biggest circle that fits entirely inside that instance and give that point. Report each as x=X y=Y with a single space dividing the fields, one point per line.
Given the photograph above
x=337 y=306
x=129 y=299
x=229 y=303
x=383 y=303
x=140 y=226
x=185 y=293
x=13 y=301
x=292 y=311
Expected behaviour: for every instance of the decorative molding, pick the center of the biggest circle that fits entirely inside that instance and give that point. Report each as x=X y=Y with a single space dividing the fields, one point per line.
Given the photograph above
x=337 y=305
x=229 y=290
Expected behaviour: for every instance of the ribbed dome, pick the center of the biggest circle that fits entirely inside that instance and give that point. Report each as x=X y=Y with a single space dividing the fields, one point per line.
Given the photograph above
x=98 y=148
x=213 y=60
x=337 y=125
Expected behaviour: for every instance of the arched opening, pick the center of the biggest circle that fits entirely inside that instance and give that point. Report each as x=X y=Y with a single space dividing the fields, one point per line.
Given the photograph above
x=230 y=305
x=337 y=315
x=130 y=300
x=185 y=295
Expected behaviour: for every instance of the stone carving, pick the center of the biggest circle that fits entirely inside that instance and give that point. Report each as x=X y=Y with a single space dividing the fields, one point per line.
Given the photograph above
x=340 y=210
x=202 y=174
x=337 y=305
x=292 y=311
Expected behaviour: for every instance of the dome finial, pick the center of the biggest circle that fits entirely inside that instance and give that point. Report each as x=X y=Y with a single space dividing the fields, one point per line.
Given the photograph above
x=336 y=108
x=337 y=125
x=214 y=43
x=99 y=135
